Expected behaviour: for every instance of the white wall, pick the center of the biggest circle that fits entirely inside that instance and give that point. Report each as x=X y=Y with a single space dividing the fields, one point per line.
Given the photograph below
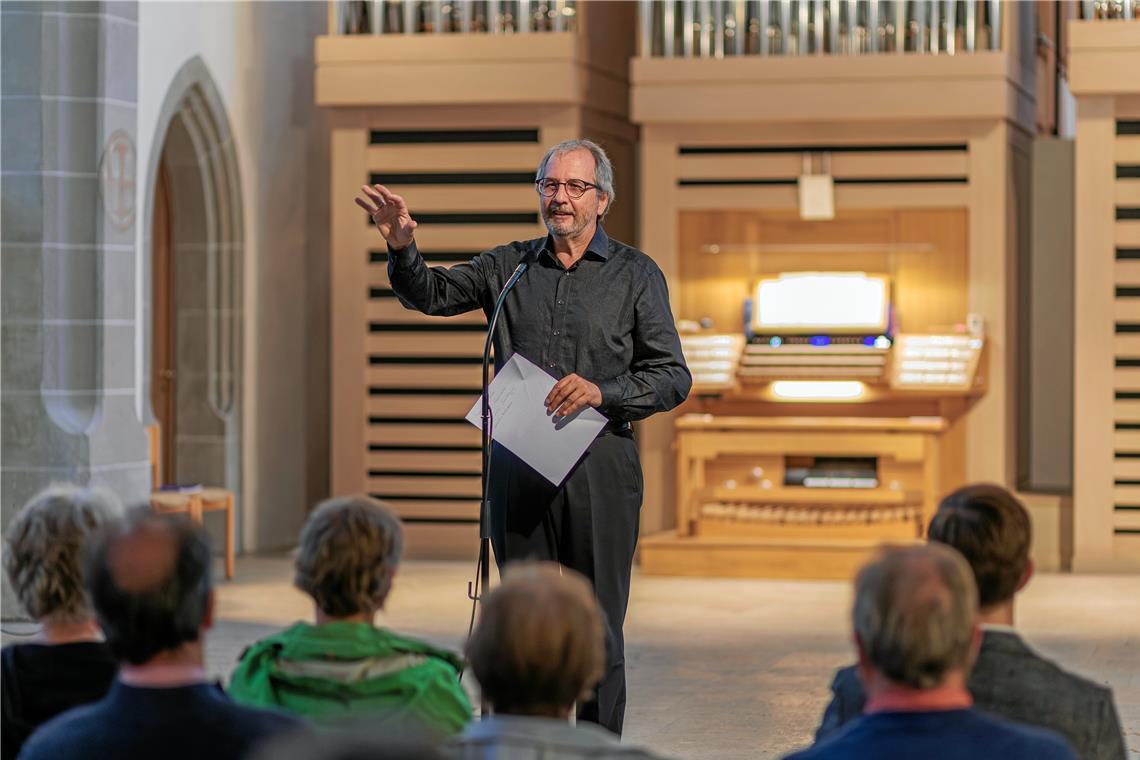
x=260 y=55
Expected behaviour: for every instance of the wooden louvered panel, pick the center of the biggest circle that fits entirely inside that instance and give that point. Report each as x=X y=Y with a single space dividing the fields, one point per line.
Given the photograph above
x=392 y=485
x=391 y=311
x=1127 y=149
x=1126 y=379
x=442 y=540
x=1127 y=310
x=1128 y=519
x=1126 y=495
x=1126 y=469
x=900 y=164
x=1127 y=272
x=399 y=405
x=416 y=509
x=390 y=343
x=1126 y=345
x=411 y=434
x=1126 y=440
x=449 y=237
x=378 y=275
x=486 y=157
x=771 y=166
x=425 y=375
x=1127 y=234
x=424 y=461
x=1126 y=410
x=441 y=198
x=1128 y=192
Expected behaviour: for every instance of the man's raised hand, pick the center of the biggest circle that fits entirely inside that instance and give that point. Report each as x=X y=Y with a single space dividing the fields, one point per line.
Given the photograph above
x=390 y=214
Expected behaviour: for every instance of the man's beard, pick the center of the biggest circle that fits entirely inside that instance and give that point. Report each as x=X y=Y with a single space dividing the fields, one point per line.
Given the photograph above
x=566 y=226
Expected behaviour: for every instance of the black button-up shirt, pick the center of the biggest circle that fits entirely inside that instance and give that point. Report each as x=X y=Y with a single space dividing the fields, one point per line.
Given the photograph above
x=606 y=318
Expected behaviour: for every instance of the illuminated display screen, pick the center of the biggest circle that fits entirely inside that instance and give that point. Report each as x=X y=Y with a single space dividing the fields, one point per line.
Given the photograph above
x=822 y=302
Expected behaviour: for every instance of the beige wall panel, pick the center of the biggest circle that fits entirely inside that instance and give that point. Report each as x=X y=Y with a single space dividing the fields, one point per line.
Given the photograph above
x=472 y=237
x=418 y=344
x=1127 y=234
x=411 y=434
x=1128 y=107
x=1127 y=193
x=1128 y=519
x=453 y=48
x=397 y=405
x=442 y=541
x=989 y=440
x=769 y=166
x=1126 y=345
x=468 y=197
x=1127 y=149
x=719 y=198
x=1127 y=309
x=817 y=132
x=902 y=164
x=1102 y=58
x=1125 y=469
x=608 y=37
x=391 y=310
x=422 y=376
x=347 y=327
x=425 y=486
x=1126 y=441
x=425 y=461
x=451 y=158
x=1126 y=410
x=846 y=197
x=435 y=510
x=1121 y=378
x=1126 y=552
x=1124 y=495
x=442 y=83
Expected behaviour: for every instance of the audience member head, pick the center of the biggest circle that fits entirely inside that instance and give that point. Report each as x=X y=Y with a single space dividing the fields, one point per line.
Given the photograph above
x=988 y=526
x=539 y=645
x=349 y=551
x=45 y=551
x=150 y=583
x=914 y=617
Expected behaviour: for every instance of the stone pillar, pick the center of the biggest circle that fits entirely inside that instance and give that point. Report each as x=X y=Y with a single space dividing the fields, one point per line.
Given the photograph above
x=68 y=377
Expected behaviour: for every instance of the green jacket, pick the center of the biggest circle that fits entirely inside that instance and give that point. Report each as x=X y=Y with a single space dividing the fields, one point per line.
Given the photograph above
x=339 y=672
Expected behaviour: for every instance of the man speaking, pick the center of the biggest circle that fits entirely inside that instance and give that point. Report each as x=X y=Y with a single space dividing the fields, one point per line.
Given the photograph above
x=594 y=313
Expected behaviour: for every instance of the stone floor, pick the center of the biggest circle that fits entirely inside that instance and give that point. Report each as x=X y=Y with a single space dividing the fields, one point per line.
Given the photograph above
x=720 y=668
x=725 y=668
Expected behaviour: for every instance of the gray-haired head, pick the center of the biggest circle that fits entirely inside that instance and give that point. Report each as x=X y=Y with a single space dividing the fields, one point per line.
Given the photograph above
x=44 y=557
x=914 y=614
x=603 y=167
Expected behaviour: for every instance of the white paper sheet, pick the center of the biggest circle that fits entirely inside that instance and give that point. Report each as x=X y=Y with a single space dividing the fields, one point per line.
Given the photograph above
x=519 y=420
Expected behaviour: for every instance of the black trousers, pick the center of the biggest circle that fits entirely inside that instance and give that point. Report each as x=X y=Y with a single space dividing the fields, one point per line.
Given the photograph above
x=588 y=524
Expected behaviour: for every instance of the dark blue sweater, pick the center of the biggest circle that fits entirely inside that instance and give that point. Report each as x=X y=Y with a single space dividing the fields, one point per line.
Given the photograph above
x=944 y=735
x=186 y=722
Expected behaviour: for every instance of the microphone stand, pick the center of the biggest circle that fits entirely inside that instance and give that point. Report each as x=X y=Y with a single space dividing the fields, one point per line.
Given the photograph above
x=483 y=566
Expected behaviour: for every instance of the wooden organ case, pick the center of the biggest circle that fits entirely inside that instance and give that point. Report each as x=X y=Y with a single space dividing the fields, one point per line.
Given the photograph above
x=831 y=364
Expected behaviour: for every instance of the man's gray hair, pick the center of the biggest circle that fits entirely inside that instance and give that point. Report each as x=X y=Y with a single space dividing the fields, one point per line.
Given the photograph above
x=45 y=550
x=914 y=614
x=603 y=167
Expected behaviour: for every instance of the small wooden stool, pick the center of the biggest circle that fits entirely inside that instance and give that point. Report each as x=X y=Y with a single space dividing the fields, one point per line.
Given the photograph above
x=194 y=504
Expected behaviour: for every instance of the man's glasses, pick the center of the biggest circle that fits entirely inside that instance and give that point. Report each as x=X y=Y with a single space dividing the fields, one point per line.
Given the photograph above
x=575 y=188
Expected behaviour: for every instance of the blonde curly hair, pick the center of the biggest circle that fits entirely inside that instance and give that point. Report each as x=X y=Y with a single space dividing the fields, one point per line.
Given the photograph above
x=45 y=546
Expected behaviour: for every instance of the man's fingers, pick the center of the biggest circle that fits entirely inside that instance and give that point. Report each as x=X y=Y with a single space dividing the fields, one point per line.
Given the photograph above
x=390 y=197
x=373 y=194
x=371 y=209
x=557 y=389
x=574 y=403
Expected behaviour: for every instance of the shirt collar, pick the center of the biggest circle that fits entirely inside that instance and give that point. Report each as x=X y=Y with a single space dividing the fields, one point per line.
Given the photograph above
x=599 y=243
x=997 y=628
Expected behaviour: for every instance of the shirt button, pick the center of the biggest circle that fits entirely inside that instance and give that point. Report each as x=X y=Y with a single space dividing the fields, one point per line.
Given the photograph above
x=551 y=365
x=555 y=332
x=560 y=302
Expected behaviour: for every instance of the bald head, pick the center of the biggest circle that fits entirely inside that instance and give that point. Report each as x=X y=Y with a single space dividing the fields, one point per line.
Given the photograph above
x=914 y=614
x=149 y=578
x=539 y=644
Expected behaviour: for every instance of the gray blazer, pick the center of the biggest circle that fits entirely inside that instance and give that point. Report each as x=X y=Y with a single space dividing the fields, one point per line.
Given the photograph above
x=1014 y=682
